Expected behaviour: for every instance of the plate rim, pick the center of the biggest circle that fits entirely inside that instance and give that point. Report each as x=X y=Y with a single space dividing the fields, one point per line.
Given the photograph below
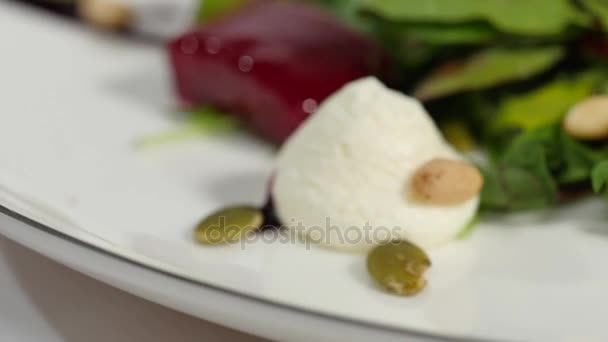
x=404 y=332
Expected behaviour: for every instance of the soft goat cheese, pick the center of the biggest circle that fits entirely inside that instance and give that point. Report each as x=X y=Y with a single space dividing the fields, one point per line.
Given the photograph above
x=343 y=178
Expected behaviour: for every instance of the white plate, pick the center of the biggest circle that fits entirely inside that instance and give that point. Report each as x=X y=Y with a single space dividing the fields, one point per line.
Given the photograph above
x=73 y=187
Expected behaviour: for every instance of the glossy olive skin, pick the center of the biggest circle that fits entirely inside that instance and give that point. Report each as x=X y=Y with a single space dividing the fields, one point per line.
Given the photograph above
x=228 y=225
x=398 y=267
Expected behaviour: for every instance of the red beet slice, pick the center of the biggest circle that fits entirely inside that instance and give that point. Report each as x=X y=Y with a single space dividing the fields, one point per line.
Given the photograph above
x=271 y=64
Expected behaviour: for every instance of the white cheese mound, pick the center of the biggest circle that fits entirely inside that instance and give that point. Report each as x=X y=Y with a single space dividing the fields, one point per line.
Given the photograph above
x=343 y=178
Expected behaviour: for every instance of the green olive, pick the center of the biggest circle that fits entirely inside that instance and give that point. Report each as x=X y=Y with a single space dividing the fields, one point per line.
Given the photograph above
x=228 y=225
x=399 y=267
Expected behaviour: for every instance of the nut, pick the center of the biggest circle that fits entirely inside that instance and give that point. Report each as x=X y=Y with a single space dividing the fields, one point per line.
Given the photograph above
x=588 y=120
x=110 y=15
x=446 y=182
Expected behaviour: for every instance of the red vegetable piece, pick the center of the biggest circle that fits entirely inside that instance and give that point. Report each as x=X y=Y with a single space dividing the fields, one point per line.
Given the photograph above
x=271 y=64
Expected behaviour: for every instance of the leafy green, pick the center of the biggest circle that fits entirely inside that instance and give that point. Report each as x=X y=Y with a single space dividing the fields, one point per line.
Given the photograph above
x=525 y=17
x=458 y=134
x=522 y=179
x=599 y=8
x=200 y=122
x=443 y=34
x=210 y=9
x=577 y=160
x=534 y=166
x=488 y=68
x=347 y=11
x=410 y=53
x=512 y=188
x=599 y=177
x=545 y=105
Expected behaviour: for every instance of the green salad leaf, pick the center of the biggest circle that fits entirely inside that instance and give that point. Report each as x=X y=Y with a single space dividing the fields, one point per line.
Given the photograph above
x=577 y=160
x=523 y=17
x=545 y=105
x=200 y=122
x=599 y=178
x=458 y=134
x=599 y=8
x=444 y=34
x=346 y=10
x=513 y=188
x=488 y=68
x=210 y=9
x=534 y=166
x=522 y=179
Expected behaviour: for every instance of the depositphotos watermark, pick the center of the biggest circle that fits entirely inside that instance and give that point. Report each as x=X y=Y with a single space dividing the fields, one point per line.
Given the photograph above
x=328 y=234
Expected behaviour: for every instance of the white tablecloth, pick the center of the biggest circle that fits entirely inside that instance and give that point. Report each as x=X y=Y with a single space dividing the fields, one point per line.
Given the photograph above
x=41 y=300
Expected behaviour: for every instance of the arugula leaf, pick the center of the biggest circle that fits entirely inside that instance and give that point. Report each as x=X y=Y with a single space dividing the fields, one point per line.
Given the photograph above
x=210 y=9
x=522 y=179
x=445 y=34
x=512 y=188
x=577 y=160
x=347 y=11
x=200 y=122
x=599 y=8
x=545 y=105
x=488 y=68
x=458 y=134
x=599 y=178
x=525 y=17
x=411 y=54
x=531 y=157
x=534 y=166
